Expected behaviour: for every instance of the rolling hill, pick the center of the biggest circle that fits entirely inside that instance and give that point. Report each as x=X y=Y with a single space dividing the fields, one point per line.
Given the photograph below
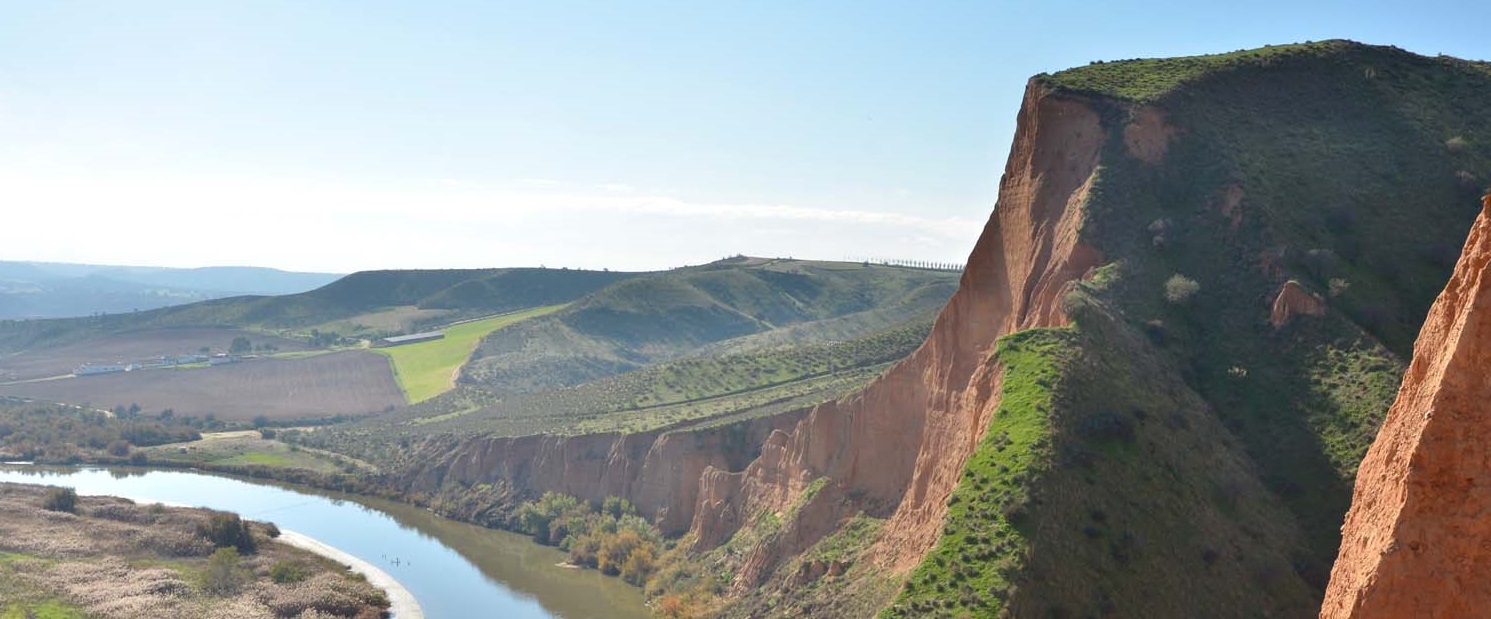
x=365 y=304
x=291 y=376
x=737 y=338
x=664 y=316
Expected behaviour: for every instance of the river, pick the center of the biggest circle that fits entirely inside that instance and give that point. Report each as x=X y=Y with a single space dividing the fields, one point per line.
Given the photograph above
x=454 y=570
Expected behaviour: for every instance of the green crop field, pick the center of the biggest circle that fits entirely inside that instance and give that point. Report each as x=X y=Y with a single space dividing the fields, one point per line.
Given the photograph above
x=427 y=369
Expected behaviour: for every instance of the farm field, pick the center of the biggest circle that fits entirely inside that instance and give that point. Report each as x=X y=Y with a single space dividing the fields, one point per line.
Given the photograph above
x=428 y=369
x=386 y=320
x=128 y=346
x=343 y=383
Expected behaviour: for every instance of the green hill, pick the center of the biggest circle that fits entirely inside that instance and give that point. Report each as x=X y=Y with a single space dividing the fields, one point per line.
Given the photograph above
x=368 y=303
x=690 y=347
x=712 y=388
x=663 y=316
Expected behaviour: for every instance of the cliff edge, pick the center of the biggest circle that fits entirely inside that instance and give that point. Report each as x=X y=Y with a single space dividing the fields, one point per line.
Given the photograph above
x=897 y=449
x=1416 y=541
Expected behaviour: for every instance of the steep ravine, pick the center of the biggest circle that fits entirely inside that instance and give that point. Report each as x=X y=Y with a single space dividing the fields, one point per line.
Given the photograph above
x=1417 y=542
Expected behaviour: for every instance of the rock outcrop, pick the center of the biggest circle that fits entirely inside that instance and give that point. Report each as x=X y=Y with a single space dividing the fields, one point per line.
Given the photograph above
x=896 y=449
x=1417 y=541
x=1293 y=300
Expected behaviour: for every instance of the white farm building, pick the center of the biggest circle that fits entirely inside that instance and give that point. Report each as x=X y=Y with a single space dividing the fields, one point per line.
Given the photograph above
x=89 y=369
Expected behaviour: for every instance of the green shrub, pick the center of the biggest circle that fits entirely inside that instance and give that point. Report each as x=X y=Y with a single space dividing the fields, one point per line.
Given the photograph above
x=61 y=500
x=223 y=576
x=289 y=572
x=227 y=530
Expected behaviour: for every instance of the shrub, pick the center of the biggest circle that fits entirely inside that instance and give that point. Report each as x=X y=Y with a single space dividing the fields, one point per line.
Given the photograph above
x=223 y=576
x=288 y=572
x=615 y=549
x=583 y=551
x=119 y=448
x=227 y=530
x=1180 y=289
x=640 y=565
x=61 y=500
x=266 y=433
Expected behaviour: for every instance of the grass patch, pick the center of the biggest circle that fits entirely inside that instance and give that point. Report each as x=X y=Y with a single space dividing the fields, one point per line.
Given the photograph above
x=249 y=449
x=985 y=536
x=50 y=609
x=847 y=543
x=428 y=369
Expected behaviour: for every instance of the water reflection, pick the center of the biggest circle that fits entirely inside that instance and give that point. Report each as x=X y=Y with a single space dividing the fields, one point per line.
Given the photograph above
x=456 y=570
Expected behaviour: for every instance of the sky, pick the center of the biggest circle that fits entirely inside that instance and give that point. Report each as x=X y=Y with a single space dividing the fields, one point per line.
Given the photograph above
x=341 y=136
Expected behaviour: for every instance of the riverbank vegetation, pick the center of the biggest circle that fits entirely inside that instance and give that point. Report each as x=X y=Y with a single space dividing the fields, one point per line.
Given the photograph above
x=70 y=435
x=111 y=558
x=613 y=538
x=610 y=537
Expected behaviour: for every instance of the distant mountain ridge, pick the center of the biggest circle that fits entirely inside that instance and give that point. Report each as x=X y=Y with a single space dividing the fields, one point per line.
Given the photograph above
x=439 y=295
x=60 y=290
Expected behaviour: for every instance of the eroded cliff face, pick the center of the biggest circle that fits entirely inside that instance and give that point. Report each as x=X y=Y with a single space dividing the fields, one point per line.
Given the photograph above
x=896 y=449
x=658 y=471
x=1417 y=542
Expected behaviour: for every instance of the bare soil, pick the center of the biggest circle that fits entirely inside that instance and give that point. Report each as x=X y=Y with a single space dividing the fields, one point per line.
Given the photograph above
x=343 y=383
x=126 y=347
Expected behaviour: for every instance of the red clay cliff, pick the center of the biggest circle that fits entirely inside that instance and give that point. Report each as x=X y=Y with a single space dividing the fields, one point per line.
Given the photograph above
x=1417 y=541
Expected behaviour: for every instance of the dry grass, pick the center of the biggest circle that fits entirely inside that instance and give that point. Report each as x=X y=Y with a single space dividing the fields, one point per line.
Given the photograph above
x=115 y=559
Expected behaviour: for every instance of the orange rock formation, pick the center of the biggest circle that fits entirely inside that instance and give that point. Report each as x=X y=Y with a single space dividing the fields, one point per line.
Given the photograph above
x=897 y=448
x=1293 y=300
x=1417 y=541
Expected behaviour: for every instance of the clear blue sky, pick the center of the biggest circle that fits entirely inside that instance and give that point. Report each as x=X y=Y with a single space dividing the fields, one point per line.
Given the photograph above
x=354 y=135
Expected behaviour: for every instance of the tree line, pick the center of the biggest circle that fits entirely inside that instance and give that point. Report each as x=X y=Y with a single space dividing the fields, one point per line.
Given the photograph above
x=930 y=265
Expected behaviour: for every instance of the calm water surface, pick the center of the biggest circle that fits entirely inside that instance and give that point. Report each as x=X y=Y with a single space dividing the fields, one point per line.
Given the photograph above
x=455 y=570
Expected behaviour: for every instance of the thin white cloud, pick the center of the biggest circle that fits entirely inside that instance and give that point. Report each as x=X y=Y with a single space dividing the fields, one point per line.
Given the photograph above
x=196 y=221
